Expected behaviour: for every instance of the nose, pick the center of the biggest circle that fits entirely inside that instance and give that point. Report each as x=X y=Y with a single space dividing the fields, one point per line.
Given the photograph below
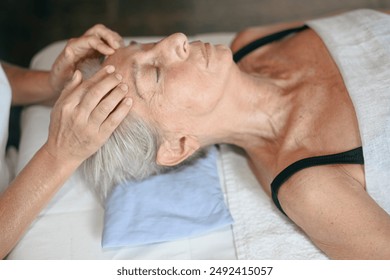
x=175 y=47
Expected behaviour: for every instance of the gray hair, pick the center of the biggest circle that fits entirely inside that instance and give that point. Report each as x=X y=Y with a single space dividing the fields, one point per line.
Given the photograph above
x=128 y=155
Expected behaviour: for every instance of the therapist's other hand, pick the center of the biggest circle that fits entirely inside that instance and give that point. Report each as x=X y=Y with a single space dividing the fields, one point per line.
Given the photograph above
x=97 y=41
x=86 y=114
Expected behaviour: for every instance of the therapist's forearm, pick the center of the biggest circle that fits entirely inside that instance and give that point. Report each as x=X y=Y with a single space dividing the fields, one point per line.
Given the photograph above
x=28 y=86
x=28 y=194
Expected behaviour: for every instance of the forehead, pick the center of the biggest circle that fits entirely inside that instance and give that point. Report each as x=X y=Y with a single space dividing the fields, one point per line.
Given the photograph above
x=128 y=62
x=127 y=53
x=120 y=55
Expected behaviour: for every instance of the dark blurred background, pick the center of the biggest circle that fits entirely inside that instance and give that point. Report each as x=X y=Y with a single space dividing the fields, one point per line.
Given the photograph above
x=26 y=26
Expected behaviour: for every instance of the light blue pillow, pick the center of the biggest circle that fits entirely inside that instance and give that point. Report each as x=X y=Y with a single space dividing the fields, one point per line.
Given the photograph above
x=183 y=203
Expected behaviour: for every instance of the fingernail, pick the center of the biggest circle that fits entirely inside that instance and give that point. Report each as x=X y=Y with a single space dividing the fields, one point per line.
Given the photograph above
x=110 y=69
x=128 y=101
x=74 y=75
x=118 y=76
x=67 y=52
x=124 y=87
x=117 y=45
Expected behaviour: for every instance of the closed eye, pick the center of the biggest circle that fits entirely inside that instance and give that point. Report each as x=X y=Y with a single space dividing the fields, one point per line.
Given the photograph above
x=157 y=74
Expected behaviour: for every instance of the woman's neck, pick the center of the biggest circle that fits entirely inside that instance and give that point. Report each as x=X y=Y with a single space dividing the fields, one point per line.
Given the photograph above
x=254 y=112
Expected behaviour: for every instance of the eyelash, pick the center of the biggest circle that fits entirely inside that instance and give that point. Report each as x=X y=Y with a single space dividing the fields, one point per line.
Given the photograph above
x=157 y=69
x=157 y=74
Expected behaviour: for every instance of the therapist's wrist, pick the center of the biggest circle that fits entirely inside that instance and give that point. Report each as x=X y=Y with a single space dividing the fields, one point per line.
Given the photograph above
x=58 y=162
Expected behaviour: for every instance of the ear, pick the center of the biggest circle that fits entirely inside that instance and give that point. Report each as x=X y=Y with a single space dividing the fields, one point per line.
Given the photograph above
x=172 y=152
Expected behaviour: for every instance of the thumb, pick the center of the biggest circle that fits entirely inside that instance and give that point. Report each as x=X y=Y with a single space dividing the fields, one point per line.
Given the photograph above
x=70 y=87
x=73 y=83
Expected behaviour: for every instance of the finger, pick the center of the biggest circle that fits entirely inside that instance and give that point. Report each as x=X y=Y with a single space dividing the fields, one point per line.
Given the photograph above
x=111 y=37
x=74 y=52
x=75 y=93
x=116 y=117
x=66 y=100
x=108 y=104
x=82 y=47
x=71 y=86
x=74 y=82
x=64 y=65
x=98 y=87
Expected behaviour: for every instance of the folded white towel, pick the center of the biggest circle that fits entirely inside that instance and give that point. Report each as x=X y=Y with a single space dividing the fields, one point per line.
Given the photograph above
x=359 y=42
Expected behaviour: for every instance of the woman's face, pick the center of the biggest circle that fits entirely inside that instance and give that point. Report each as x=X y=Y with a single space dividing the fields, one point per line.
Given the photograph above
x=175 y=83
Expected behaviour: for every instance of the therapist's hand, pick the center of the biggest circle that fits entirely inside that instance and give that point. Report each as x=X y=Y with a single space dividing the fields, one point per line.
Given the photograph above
x=86 y=114
x=97 y=41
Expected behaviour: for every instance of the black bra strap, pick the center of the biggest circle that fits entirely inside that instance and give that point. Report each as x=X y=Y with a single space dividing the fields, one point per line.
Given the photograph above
x=354 y=156
x=263 y=41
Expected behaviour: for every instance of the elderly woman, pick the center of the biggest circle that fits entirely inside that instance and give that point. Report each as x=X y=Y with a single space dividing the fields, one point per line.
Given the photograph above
x=289 y=99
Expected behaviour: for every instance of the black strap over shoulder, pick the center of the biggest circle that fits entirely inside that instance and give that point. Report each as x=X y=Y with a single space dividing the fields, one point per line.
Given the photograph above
x=265 y=40
x=354 y=156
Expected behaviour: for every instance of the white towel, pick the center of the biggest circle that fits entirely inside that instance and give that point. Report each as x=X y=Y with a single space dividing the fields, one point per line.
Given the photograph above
x=359 y=42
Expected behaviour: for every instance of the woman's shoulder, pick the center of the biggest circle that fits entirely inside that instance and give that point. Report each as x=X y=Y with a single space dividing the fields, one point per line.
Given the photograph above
x=250 y=34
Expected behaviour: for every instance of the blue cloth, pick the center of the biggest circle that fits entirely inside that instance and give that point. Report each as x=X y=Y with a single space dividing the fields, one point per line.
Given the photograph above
x=183 y=203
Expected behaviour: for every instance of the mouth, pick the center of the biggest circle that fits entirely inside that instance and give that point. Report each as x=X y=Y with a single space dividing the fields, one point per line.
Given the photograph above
x=203 y=49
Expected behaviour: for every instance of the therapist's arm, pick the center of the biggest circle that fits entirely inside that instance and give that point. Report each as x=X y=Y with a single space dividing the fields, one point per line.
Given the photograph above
x=28 y=86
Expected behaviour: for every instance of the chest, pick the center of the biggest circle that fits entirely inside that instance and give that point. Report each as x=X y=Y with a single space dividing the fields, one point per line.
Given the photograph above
x=299 y=59
x=323 y=119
